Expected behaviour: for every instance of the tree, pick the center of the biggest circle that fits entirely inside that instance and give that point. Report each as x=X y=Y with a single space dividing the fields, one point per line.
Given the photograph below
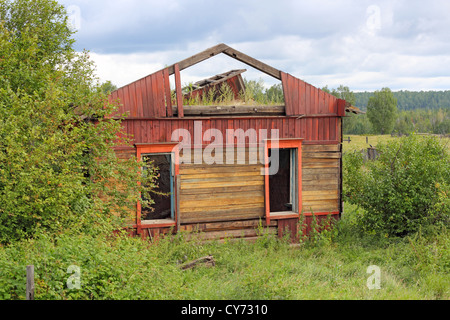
x=57 y=165
x=352 y=124
x=342 y=92
x=382 y=111
x=406 y=188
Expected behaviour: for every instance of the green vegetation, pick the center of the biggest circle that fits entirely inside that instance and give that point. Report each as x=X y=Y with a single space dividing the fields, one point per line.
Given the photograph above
x=328 y=265
x=382 y=111
x=405 y=189
x=54 y=165
x=255 y=94
x=419 y=112
x=410 y=100
x=333 y=266
x=56 y=156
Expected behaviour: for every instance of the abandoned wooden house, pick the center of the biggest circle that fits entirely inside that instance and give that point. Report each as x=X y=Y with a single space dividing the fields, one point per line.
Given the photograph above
x=229 y=168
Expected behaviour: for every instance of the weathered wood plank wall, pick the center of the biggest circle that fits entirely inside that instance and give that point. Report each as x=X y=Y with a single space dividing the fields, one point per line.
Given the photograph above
x=227 y=192
x=221 y=192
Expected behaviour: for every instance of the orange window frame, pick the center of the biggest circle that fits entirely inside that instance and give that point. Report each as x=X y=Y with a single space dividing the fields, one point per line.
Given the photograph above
x=288 y=143
x=154 y=149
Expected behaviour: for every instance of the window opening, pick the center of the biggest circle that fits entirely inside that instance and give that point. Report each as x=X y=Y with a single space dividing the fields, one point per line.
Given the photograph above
x=163 y=206
x=283 y=184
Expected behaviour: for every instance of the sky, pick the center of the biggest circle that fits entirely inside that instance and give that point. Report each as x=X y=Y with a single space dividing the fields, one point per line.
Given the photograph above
x=365 y=45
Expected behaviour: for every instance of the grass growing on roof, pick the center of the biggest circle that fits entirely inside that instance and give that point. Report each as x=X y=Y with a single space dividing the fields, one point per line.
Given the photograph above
x=255 y=94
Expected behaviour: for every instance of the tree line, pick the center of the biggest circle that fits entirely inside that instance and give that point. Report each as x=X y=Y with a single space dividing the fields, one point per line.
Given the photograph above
x=410 y=100
x=401 y=112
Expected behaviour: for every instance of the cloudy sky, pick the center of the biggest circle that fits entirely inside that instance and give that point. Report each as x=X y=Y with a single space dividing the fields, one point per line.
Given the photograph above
x=365 y=45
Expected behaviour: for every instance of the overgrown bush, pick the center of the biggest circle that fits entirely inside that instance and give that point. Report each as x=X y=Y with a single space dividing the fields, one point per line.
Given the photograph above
x=57 y=166
x=407 y=187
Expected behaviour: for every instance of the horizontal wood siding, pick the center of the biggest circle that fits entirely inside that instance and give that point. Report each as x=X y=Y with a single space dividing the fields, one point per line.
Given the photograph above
x=316 y=130
x=221 y=192
x=246 y=229
x=320 y=178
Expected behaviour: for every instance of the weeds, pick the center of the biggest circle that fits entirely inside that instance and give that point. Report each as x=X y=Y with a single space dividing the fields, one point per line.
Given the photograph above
x=255 y=93
x=331 y=264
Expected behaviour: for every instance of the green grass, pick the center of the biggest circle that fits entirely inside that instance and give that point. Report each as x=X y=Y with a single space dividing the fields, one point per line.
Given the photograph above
x=334 y=266
x=330 y=266
x=358 y=142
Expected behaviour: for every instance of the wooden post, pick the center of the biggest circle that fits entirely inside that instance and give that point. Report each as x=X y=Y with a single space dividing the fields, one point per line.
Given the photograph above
x=178 y=91
x=30 y=283
x=367 y=140
x=177 y=203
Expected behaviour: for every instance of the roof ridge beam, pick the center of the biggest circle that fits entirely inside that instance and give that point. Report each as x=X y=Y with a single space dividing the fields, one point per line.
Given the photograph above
x=261 y=66
x=233 y=53
x=199 y=57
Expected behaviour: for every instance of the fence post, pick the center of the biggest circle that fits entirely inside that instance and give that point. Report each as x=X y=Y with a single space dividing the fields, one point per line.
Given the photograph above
x=30 y=283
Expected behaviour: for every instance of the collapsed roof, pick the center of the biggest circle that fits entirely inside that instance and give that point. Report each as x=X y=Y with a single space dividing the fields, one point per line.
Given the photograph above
x=151 y=96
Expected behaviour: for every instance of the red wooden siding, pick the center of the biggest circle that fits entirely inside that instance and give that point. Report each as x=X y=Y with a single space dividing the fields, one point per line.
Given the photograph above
x=314 y=130
x=146 y=97
x=301 y=98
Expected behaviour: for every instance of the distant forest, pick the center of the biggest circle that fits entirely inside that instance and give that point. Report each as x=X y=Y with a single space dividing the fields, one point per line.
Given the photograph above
x=410 y=100
x=420 y=112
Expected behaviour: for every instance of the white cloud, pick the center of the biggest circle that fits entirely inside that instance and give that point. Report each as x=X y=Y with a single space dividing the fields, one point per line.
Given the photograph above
x=365 y=45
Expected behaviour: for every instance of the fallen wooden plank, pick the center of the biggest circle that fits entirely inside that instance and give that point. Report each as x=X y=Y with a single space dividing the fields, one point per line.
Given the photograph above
x=207 y=261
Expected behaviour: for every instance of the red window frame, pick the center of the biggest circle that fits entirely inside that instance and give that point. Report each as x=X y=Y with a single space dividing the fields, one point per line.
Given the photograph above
x=288 y=143
x=145 y=148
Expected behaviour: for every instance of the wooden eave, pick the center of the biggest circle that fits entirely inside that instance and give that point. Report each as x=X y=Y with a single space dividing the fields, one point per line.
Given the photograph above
x=353 y=109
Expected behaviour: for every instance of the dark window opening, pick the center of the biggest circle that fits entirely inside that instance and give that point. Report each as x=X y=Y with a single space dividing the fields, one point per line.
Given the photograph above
x=280 y=191
x=162 y=208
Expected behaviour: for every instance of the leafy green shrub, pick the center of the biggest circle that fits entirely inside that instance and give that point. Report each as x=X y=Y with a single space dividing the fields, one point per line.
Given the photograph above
x=57 y=165
x=405 y=188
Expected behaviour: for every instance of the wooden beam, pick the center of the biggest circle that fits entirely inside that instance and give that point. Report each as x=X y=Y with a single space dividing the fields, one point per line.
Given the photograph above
x=178 y=92
x=223 y=48
x=229 y=110
x=261 y=66
x=30 y=283
x=199 y=57
x=169 y=110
